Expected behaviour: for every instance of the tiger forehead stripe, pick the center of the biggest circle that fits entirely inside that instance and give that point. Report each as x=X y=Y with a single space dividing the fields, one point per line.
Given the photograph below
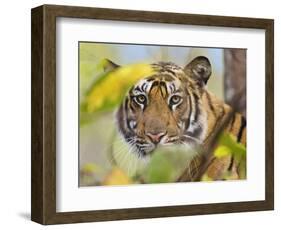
x=163 y=89
x=167 y=81
x=142 y=87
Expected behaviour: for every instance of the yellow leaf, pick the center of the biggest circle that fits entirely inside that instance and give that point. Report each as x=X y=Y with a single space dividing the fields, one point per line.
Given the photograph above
x=116 y=177
x=222 y=151
x=90 y=168
x=110 y=90
x=205 y=177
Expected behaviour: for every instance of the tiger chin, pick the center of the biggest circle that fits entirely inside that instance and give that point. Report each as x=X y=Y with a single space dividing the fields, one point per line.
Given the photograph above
x=173 y=107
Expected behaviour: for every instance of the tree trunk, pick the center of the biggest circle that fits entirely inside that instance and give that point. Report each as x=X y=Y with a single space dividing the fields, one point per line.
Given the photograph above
x=235 y=79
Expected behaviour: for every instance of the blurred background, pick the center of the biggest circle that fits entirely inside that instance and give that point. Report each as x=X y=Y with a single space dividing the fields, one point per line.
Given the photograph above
x=97 y=131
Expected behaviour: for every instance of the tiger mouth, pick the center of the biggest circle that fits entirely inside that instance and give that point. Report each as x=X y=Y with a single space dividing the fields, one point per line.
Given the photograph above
x=144 y=149
x=149 y=148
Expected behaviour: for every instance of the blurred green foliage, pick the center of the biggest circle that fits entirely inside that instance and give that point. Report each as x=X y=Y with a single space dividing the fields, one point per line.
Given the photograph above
x=167 y=164
x=109 y=89
x=238 y=150
x=228 y=148
x=159 y=170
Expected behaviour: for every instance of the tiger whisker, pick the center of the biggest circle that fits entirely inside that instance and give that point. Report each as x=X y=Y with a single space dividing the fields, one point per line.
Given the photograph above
x=192 y=138
x=119 y=152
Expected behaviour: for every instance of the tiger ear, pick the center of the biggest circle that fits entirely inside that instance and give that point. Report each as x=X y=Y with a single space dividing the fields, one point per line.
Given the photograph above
x=109 y=66
x=199 y=69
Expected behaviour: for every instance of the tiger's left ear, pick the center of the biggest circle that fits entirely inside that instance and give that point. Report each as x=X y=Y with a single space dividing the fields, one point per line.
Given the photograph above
x=199 y=69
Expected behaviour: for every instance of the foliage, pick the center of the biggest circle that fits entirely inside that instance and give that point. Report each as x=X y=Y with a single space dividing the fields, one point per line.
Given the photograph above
x=159 y=170
x=109 y=89
x=227 y=148
x=166 y=164
x=238 y=150
x=117 y=177
x=228 y=142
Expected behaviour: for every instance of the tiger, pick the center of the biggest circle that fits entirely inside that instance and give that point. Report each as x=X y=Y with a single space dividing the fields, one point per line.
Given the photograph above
x=173 y=106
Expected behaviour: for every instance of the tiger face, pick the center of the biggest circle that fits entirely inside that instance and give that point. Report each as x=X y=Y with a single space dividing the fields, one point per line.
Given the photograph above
x=165 y=108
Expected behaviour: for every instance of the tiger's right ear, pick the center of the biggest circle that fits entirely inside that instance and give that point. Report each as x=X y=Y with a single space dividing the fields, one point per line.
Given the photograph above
x=199 y=69
x=109 y=66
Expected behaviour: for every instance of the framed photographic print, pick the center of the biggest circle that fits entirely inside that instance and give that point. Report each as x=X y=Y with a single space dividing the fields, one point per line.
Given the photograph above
x=139 y=114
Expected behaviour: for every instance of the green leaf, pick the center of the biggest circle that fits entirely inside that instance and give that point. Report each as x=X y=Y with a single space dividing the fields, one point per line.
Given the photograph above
x=238 y=149
x=228 y=145
x=159 y=169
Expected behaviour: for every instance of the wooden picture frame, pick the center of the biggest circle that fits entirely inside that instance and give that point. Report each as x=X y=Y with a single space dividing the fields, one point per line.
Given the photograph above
x=43 y=205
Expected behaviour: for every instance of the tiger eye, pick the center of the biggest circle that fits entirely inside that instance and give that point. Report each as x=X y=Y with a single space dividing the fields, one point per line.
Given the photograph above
x=175 y=99
x=141 y=99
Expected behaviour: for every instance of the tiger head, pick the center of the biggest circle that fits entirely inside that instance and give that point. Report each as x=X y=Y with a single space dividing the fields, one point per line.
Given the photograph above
x=165 y=108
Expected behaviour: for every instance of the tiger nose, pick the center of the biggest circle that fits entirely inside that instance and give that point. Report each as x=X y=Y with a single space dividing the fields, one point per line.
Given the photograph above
x=156 y=137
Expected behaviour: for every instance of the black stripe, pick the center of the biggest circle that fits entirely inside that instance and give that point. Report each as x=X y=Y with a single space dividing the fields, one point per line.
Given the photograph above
x=156 y=83
x=232 y=122
x=187 y=123
x=231 y=164
x=169 y=71
x=131 y=106
x=137 y=88
x=162 y=83
x=126 y=103
x=128 y=125
x=142 y=87
x=121 y=123
x=242 y=127
x=125 y=110
x=196 y=102
x=150 y=79
x=145 y=87
x=192 y=97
